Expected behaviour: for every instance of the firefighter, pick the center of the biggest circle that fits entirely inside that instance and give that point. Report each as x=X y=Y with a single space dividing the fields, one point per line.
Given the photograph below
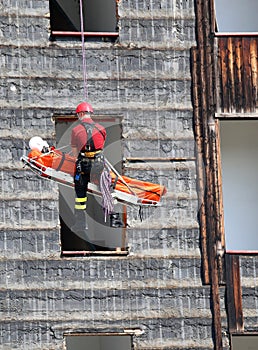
x=87 y=143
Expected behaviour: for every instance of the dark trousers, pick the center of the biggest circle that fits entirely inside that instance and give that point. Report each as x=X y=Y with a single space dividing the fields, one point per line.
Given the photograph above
x=87 y=170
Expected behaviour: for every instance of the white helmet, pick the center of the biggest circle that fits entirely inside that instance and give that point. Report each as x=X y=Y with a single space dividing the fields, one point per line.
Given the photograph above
x=37 y=143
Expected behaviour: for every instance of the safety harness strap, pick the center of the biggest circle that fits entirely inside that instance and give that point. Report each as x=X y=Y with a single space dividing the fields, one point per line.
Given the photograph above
x=89 y=127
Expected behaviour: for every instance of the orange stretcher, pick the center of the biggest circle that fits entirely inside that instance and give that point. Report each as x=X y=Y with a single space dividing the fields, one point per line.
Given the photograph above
x=59 y=167
x=54 y=159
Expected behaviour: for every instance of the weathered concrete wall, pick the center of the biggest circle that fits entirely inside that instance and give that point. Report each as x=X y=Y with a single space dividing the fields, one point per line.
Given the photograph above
x=144 y=76
x=249 y=270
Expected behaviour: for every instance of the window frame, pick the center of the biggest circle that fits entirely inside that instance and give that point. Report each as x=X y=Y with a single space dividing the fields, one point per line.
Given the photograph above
x=230 y=117
x=219 y=33
x=116 y=251
x=127 y=333
x=62 y=34
x=241 y=334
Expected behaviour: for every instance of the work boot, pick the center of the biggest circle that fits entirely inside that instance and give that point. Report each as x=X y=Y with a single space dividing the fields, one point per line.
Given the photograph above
x=115 y=221
x=80 y=225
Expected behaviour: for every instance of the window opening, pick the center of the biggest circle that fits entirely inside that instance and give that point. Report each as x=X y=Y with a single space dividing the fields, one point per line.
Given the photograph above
x=239 y=149
x=99 y=237
x=236 y=16
x=99 y=342
x=99 y=18
x=95 y=175
x=244 y=341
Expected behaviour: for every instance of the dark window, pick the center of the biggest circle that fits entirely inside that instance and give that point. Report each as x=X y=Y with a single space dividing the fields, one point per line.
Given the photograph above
x=98 y=342
x=244 y=341
x=99 y=17
x=99 y=236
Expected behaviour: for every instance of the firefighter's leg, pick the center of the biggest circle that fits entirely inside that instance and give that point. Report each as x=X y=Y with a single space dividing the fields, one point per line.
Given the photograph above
x=80 y=214
x=80 y=205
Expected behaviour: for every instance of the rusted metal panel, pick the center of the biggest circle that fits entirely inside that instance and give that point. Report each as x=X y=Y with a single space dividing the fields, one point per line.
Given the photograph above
x=200 y=168
x=234 y=294
x=237 y=69
x=204 y=100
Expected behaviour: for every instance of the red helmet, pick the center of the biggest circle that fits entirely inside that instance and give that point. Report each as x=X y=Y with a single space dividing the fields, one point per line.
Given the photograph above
x=84 y=107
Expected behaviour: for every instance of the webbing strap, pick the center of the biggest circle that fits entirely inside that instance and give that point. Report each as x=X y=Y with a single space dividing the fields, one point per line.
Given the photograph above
x=89 y=144
x=115 y=182
x=61 y=162
x=89 y=128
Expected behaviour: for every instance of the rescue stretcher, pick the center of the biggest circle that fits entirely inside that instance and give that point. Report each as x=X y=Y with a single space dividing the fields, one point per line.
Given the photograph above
x=59 y=167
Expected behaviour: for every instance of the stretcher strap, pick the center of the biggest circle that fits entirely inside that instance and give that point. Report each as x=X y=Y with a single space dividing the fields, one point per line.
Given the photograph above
x=140 y=212
x=115 y=182
x=61 y=161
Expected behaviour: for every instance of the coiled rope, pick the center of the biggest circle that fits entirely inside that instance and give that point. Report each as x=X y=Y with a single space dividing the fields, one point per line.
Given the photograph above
x=105 y=184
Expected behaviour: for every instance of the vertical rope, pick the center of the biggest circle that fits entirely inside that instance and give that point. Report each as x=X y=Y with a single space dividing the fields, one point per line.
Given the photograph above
x=85 y=89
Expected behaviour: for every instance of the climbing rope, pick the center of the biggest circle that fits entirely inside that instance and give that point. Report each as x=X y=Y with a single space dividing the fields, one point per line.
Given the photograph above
x=105 y=188
x=84 y=67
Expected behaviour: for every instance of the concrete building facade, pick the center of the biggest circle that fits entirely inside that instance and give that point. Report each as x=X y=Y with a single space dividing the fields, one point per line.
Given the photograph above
x=155 y=293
